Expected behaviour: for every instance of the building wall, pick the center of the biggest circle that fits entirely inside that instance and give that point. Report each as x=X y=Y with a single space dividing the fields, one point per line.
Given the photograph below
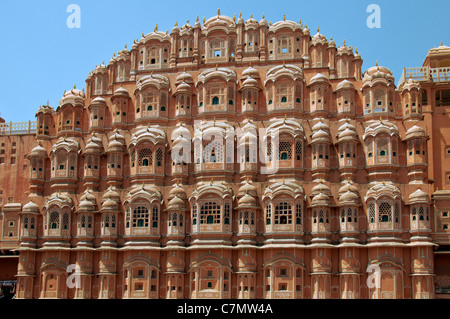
x=344 y=148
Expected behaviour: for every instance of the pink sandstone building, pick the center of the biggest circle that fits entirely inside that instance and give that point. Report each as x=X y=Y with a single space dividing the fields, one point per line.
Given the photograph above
x=233 y=158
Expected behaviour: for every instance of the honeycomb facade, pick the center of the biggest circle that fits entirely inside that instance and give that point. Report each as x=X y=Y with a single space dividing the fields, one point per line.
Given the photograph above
x=234 y=159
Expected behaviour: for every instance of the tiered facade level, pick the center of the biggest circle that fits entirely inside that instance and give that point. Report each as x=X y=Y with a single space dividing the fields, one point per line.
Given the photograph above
x=233 y=159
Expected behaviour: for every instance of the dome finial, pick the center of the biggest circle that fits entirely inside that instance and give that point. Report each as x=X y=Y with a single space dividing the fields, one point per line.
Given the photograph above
x=218 y=11
x=317 y=29
x=263 y=15
x=234 y=17
x=251 y=15
x=284 y=17
x=176 y=24
x=125 y=45
x=240 y=14
x=441 y=44
x=376 y=63
x=344 y=41
x=204 y=20
x=212 y=181
x=156 y=27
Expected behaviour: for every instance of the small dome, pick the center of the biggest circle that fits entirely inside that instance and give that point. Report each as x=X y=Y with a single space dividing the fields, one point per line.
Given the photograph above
x=345 y=85
x=415 y=132
x=86 y=205
x=38 y=151
x=348 y=186
x=87 y=195
x=247 y=200
x=176 y=203
x=177 y=191
x=320 y=188
x=320 y=126
x=183 y=87
x=30 y=207
x=318 y=38
x=111 y=194
x=320 y=136
x=344 y=49
x=92 y=147
x=348 y=198
x=419 y=196
x=250 y=82
x=181 y=130
x=318 y=78
x=346 y=126
x=121 y=91
x=247 y=188
x=250 y=72
x=74 y=97
x=348 y=134
x=110 y=204
x=184 y=77
x=320 y=199
x=98 y=100
x=378 y=73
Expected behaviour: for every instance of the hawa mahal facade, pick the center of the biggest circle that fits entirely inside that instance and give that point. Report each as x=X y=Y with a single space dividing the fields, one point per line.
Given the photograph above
x=233 y=159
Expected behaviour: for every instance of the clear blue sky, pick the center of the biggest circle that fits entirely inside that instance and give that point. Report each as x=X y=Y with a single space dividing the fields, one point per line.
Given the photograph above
x=40 y=56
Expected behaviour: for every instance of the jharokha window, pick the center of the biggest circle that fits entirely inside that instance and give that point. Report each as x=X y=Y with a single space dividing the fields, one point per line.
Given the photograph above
x=140 y=217
x=145 y=157
x=283 y=214
x=210 y=213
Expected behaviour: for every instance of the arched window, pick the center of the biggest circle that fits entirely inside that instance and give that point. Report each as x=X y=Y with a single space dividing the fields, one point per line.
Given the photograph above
x=159 y=157
x=283 y=213
x=145 y=157
x=140 y=217
x=268 y=214
x=210 y=213
x=215 y=100
x=285 y=150
x=298 y=214
x=384 y=212
x=54 y=220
